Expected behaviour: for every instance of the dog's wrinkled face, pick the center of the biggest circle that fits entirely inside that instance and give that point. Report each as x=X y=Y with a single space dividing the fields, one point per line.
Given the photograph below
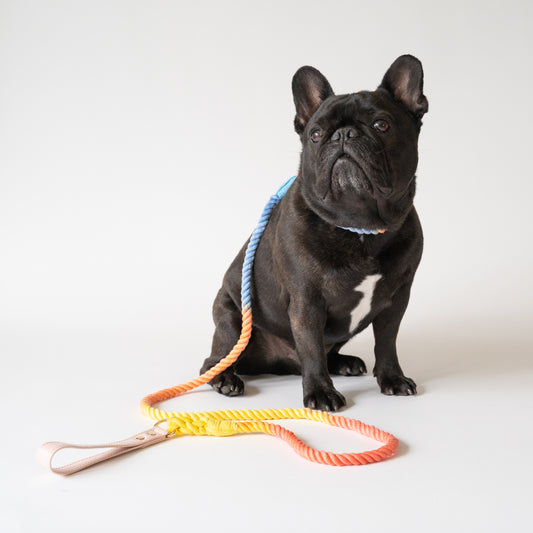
x=360 y=150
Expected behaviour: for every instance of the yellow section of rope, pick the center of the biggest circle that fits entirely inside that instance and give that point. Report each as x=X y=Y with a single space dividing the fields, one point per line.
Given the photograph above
x=230 y=422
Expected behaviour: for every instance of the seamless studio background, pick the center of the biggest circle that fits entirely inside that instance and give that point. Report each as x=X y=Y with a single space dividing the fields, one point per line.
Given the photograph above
x=138 y=144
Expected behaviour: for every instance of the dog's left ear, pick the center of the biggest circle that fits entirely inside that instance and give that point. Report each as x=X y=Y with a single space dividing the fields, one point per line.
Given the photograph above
x=309 y=89
x=405 y=82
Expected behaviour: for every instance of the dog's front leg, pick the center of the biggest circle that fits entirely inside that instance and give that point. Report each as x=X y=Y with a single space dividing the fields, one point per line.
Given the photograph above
x=307 y=323
x=386 y=325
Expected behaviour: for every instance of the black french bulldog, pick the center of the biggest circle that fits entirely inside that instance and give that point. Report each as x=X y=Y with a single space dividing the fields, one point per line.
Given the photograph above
x=322 y=272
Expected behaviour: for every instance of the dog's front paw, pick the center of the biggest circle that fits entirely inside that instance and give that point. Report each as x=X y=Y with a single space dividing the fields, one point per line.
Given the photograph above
x=228 y=384
x=397 y=385
x=324 y=399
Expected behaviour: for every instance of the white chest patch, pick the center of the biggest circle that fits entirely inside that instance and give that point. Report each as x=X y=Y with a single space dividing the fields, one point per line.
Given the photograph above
x=366 y=287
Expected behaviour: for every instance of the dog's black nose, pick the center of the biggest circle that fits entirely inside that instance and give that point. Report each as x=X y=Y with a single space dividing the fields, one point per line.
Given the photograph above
x=343 y=134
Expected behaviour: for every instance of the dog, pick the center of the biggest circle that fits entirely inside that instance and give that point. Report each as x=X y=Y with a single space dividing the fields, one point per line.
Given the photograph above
x=341 y=248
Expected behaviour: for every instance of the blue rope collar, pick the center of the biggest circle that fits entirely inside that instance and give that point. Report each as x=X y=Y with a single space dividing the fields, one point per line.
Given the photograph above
x=361 y=231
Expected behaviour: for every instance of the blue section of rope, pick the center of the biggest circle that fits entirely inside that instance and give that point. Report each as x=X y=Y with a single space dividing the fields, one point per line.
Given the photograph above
x=285 y=187
x=362 y=231
x=246 y=280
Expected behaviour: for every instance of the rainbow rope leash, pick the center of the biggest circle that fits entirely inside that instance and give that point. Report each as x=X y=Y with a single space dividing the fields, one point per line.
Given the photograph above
x=230 y=422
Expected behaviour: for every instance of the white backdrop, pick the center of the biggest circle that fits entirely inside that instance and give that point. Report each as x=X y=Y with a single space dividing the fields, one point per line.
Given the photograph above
x=138 y=144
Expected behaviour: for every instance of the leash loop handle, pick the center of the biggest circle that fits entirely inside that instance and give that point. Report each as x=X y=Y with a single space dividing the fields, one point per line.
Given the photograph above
x=146 y=438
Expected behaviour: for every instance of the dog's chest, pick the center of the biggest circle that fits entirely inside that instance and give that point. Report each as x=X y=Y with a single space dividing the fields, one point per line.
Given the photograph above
x=365 y=292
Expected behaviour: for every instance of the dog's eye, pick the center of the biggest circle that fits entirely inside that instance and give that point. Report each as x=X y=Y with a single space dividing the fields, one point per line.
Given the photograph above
x=316 y=135
x=381 y=125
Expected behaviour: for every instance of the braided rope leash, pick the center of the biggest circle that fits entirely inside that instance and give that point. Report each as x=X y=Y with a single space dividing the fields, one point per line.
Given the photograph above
x=231 y=422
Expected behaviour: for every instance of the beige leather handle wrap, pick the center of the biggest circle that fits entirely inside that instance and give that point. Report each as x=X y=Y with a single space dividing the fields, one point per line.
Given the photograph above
x=146 y=438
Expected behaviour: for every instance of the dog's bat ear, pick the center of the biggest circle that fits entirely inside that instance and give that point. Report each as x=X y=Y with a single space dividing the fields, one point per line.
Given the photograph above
x=309 y=89
x=405 y=82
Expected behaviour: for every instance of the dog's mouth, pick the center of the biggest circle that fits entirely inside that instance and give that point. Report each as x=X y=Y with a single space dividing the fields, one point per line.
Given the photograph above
x=355 y=191
x=347 y=173
x=353 y=186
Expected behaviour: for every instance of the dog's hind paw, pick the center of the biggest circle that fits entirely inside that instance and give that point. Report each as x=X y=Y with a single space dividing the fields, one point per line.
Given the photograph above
x=345 y=365
x=228 y=384
x=397 y=386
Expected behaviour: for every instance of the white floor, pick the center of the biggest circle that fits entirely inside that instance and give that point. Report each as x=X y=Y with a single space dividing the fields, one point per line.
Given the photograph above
x=463 y=464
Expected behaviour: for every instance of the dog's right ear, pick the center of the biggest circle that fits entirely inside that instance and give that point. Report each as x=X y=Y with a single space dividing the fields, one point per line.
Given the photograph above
x=309 y=89
x=405 y=82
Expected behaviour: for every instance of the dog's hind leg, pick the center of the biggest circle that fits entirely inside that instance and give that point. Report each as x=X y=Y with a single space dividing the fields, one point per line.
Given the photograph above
x=228 y=319
x=344 y=365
